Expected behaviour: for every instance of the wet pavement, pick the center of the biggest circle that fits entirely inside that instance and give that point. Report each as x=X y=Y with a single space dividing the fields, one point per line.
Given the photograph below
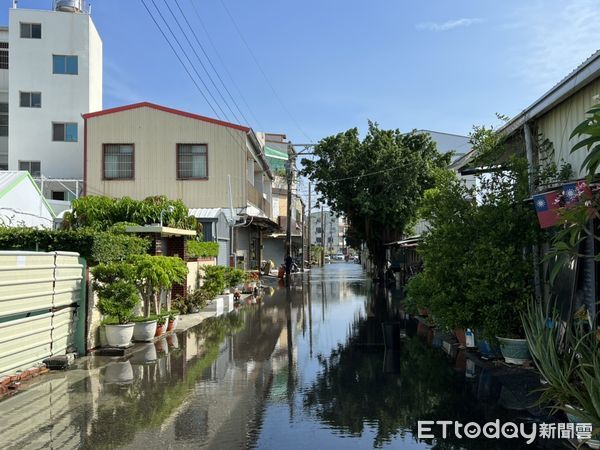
x=304 y=368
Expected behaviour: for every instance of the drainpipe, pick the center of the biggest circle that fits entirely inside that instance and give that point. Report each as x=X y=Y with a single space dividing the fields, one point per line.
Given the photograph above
x=531 y=183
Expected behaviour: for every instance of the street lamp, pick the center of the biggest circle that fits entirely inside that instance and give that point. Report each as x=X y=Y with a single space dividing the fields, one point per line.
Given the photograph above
x=170 y=209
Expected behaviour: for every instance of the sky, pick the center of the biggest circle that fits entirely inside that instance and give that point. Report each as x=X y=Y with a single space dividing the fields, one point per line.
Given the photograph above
x=313 y=68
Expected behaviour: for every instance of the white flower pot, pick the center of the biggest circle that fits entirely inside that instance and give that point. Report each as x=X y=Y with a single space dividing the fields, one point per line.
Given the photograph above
x=145 y=356
x=144 y=331
x=119 y=335
x=118 y=373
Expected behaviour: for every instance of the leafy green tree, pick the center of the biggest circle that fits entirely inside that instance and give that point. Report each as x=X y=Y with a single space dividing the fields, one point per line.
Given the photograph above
x=377 y=182
x=478 y=266
x=155 y=274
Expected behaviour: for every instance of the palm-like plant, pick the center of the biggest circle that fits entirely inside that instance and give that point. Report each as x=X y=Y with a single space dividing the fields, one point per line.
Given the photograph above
x=568 y=359
x=590 y=127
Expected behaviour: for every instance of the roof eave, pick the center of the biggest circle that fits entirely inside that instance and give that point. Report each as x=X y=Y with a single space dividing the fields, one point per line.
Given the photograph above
x=576 y=80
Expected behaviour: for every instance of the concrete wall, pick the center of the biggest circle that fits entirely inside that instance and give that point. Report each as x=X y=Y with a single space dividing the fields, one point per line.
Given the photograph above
x=195 y=272
x=64 y=97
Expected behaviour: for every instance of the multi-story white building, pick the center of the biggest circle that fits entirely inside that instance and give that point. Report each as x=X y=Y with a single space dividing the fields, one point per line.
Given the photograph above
x=330 y=226
x=54 y=76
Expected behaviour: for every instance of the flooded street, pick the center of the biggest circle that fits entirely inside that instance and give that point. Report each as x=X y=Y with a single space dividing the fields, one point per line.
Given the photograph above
x=305 y=368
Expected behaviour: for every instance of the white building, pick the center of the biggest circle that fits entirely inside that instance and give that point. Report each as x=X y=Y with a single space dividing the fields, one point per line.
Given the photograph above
x=21 y=202
x=332 y=228
x=54 y=76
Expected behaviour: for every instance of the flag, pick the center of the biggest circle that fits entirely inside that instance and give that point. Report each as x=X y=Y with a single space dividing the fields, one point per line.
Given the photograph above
x=573 y=192
x=546 y=206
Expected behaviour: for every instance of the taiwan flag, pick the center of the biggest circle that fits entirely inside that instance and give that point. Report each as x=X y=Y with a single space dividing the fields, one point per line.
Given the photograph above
x=573 y=192
x=546 y=207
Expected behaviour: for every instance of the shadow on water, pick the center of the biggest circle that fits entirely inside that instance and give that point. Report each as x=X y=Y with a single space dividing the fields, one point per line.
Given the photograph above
x=306 y=367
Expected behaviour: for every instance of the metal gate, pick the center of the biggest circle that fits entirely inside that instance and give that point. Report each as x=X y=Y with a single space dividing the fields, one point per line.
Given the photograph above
x=42 y=303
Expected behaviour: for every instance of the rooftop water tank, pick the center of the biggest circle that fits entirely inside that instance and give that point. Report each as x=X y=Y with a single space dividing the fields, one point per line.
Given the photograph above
x=69 y=5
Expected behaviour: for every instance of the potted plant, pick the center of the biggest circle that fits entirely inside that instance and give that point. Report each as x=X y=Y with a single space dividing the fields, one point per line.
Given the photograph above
x=235 y=277
x=144 y=328
x=567 y=357
x=173 y=319
x=117 y=298
x=160 y=325
x=155 y=275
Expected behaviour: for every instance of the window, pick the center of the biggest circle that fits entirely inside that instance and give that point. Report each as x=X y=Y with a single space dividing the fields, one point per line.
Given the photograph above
x=33 y=167
x=118 y=162
x=31 y=30
x=319 y=230
x=31 y=99
x=3 y=55
x=58 y=195
x=3 y=119
x=64 y=132
x=64 y=64
x=192 y=161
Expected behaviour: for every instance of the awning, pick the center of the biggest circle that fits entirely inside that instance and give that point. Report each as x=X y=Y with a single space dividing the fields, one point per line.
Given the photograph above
x=412 y=241
x=158 y=229
x=272 y=153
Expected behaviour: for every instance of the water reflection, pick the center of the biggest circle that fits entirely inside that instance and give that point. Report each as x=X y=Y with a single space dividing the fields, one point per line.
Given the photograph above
x=304 y=367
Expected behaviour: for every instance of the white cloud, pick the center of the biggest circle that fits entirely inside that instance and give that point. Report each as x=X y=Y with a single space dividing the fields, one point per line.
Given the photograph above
x=117 y=84
x=448 y=25
x=555 y=40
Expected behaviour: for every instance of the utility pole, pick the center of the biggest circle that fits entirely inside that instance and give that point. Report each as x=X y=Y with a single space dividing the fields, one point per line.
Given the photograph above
x=308 y=249
x=288 y=228
x=322 y=236
x=303 y=240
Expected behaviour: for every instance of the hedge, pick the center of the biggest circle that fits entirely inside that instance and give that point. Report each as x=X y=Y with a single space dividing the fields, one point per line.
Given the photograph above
x=197 y=249
x=95 y=246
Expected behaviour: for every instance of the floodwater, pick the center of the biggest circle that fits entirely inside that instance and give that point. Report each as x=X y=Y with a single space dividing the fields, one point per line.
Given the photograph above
x=304 y=368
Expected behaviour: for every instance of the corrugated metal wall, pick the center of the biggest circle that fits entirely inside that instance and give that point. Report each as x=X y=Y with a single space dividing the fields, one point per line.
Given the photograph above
x=47 y=403
x=558 y=123
x=155 y=135
x=39 y=295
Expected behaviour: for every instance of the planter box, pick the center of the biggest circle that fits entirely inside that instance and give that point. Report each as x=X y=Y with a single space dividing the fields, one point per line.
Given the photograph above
x=227 y=302
x=514 y=351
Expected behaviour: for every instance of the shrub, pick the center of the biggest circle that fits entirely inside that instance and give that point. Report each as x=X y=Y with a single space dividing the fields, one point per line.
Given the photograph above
x=153 y=274
x=197 y=249
x=194 y=299
x=117 y=294
x=234 y=276
x=97 y=247
x=214 y=280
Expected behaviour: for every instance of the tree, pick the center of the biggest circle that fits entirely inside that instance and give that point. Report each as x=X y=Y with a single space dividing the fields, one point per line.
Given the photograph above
x=377 y=183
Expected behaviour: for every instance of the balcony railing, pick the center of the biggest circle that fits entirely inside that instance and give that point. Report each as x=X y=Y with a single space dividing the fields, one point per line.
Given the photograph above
x=256 y=198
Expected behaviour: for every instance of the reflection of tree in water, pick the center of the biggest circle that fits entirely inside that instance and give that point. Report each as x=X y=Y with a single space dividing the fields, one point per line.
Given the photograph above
x=354 y=391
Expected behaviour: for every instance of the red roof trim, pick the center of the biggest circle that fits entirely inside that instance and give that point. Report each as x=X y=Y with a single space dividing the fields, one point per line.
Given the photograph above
x=118 y=109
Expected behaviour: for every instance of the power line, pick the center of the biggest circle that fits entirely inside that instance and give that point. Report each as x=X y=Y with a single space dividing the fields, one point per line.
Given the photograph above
x=263 y=72
x=231 y=78
x=212 y=65
x=178 y=57
x=234 y=137
x=198 y=56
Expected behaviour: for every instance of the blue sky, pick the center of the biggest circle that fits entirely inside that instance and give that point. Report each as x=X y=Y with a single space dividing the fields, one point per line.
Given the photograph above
x=433 y=64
